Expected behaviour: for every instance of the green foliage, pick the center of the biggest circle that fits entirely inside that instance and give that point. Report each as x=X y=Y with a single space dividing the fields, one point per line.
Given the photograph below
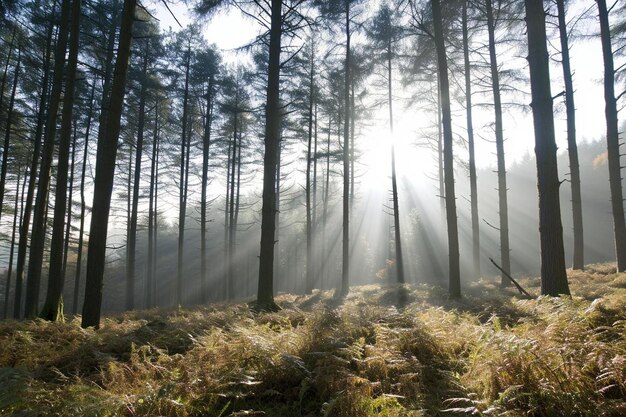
x=489 y=353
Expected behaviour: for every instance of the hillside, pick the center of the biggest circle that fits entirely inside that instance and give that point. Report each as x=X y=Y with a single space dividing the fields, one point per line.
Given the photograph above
x=490 y=354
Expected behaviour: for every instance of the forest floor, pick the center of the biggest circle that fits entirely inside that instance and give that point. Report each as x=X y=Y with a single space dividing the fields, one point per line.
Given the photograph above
x=491 y=353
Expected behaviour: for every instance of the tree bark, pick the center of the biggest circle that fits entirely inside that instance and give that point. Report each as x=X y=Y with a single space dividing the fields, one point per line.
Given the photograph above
x=503 y=205
x=53 y=306
x=612 y=138
x=105 y=169
x=448 y=157
x=265 y=294
x=553 y=277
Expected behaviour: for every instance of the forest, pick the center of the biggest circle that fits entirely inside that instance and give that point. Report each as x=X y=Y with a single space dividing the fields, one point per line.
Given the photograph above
x=312 y=208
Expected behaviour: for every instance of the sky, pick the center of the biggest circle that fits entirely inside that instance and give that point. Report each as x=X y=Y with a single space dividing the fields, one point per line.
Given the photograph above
x=229 y=30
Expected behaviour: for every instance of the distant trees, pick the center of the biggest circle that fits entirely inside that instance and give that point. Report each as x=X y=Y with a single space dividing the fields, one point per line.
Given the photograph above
x=192 y=126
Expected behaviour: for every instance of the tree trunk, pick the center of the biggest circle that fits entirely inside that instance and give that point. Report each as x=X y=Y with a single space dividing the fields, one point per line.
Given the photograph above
x=265 y=294
x=132 y=236
x=470 y=144
x=70 y=201
x=105 y=170
x=53 y=306
x=309 y=280
x=345 y=273
x=206 y=143
x=448 y=157
x=572 y=148
x=83 y=206
x=35 y=259
x=612 y=138
x=394 y=183
x=231 y=208
x=182 y=186
x=32 y=181
x=553 y=277
x=505 y=252
x=150 y=260
x=7 y=288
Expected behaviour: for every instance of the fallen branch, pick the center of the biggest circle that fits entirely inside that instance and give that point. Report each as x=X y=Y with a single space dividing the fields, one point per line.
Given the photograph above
x=519 y=287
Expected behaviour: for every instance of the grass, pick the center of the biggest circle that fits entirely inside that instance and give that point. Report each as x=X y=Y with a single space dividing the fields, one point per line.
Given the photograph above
x=489 y=354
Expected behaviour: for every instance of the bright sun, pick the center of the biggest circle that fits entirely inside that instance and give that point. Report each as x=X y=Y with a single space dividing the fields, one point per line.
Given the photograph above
x=412 y=162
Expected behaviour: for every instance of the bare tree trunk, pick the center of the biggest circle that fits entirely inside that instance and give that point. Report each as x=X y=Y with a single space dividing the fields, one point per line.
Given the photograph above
x=572 y=148
x=553 y=277
x=155 y=260
x=182 y=186
x=309 y=280
x=231 y=209
x=150 y=260
x=265 y=294
x=503 y=207
x=132 y=236
x=105 y=170
x=470 y=144
x=36 y=253
x=206 y=143
x=448 y=157
x=7 y=288
x=612 y=138
x=70 y=200
x=83 y=205
x=345 y=273
x=394 y=183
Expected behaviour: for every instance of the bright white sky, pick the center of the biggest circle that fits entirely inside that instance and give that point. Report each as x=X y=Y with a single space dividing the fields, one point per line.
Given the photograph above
x=230 y=30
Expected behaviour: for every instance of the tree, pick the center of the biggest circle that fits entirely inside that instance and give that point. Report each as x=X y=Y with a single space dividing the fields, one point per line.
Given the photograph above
x=612 y=138
x=105 y=169
x=53 y=306
x=265 y=293
x=35 y=260
x=385 y=35
x=572 y=148
x=454 y=289
x=32 y=181
x=470 y=145
x=503 y=206
x=553 y=277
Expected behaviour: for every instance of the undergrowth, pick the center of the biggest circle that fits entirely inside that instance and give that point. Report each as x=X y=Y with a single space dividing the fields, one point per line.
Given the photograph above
x=490 y=353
